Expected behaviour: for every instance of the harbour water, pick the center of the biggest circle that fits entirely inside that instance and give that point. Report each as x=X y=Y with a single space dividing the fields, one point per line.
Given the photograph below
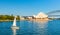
x=26 y=27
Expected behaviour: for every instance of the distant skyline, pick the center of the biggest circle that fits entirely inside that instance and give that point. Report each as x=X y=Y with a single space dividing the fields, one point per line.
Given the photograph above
x=28 y=7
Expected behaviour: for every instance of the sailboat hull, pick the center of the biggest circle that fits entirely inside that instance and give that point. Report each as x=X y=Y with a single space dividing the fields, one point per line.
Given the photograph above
x=15 y=27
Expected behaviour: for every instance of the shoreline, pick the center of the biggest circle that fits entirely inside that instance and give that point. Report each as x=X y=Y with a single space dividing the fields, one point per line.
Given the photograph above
x=27 y=19
x=7 y=20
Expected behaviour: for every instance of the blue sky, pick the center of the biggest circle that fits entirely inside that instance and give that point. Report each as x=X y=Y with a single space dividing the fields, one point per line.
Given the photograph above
x=28 y=7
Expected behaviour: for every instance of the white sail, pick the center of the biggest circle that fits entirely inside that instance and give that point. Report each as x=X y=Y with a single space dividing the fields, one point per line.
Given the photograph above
x=14 y=23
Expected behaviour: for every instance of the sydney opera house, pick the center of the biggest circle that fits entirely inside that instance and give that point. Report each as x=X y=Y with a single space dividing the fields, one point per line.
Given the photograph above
x=41 y=15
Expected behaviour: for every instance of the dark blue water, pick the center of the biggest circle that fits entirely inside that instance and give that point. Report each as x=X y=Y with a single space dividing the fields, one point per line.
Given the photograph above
x=51 y=27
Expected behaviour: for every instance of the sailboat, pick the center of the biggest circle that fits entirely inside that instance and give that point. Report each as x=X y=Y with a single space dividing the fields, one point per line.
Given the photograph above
x=14 y=24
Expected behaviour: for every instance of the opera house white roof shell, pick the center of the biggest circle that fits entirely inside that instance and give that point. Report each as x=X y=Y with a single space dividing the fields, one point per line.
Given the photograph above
x=40 y=15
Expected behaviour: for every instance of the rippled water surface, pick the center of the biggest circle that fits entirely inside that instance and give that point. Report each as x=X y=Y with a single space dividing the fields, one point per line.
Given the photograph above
x=51 y=27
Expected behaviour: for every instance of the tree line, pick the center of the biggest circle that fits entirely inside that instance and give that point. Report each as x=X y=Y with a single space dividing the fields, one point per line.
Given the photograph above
x=8 y=17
